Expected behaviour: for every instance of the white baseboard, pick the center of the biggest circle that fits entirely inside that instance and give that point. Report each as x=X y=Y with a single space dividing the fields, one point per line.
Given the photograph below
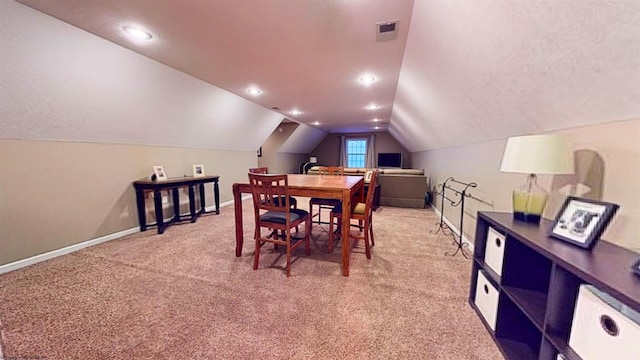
x=454 y=229
x=75 y=247
x=65 y=250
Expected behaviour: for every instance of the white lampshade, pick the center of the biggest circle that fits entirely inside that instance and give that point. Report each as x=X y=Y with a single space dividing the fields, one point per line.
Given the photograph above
x=313 y=159
x=538 y=154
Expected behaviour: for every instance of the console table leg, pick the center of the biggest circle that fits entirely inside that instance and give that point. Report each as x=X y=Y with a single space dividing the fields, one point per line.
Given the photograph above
x=192 y=203
x=157 y=202
x=142 y=212
x=216 y=196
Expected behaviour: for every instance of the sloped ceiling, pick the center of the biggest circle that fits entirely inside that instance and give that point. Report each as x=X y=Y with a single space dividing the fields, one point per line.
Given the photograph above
x=470 y=70
x=479 y=70
x=303 y=140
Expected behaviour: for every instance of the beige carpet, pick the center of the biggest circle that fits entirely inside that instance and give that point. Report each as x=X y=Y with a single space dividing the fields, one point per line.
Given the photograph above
x=184 y=295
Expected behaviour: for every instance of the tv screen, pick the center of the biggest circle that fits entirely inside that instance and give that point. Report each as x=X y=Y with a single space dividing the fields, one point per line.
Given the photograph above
x=390 y=160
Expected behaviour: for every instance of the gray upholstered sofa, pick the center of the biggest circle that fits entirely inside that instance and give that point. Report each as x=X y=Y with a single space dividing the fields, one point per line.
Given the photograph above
x=398 y=187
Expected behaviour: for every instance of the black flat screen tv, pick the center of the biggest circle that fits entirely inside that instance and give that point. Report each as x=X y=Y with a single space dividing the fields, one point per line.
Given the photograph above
x=390 y=160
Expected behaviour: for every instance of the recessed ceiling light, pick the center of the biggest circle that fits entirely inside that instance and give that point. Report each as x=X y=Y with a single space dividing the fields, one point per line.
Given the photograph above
x=377 y=128
x=295 y=112
x=254 y=91
x=316 y=123
x=137 y=33
x=367 y=79
x=376 y=120
x=373 y=106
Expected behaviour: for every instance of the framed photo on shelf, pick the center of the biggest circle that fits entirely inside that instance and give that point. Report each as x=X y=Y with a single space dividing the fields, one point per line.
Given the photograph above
x=159 y=172
x=636 y=267
x=198 y=170
x=367 y=176
x=581 y=221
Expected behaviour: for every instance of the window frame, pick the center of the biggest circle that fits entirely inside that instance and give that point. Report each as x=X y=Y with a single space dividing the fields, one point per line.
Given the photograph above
x=348 y=153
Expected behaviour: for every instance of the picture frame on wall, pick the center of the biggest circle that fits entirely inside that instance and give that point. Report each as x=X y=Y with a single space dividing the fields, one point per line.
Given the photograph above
x=581 y=221
x=260 y=152
x=160 y=173
x=198 y=170
x=635 y=267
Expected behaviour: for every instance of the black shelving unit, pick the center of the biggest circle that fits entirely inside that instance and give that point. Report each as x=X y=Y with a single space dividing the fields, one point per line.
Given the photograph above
x=539 y=283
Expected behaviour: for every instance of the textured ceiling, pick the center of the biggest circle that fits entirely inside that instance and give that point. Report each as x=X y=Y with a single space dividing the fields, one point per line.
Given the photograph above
x=470 y=70
x=479 y=70
x=303 y=54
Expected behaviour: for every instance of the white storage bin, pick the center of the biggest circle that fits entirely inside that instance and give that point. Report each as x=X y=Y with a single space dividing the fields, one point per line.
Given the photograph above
x=487 y=299
x=494 y=250
x=603 y=328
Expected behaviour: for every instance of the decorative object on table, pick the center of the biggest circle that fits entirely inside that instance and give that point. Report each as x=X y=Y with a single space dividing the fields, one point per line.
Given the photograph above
x=581 y=221
x=159 y=173
x=636 y=267
x=198 y=170
x=367 y=176
x=535 y=154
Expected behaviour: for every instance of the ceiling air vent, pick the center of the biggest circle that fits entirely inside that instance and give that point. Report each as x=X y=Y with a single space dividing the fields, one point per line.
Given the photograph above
x=387 y=30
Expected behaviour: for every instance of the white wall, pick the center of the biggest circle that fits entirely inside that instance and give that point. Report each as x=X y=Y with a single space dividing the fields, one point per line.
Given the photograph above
x=615 y=143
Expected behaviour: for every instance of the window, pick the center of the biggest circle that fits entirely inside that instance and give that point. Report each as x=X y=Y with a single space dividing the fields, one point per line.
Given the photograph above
x=356 y=153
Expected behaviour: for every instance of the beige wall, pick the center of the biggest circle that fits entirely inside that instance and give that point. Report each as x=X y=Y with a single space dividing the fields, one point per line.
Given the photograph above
x=278 y=162
x=615 y=144
x=328 y=151
x=56 y=194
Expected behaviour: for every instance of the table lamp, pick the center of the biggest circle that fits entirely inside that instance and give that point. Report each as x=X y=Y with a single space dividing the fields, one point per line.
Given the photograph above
x=533 y=155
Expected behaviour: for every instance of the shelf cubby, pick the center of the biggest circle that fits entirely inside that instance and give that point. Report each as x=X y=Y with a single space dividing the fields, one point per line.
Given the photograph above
x=539 y=284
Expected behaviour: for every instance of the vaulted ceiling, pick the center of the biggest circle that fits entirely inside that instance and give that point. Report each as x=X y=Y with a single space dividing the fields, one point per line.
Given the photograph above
x=458 y=71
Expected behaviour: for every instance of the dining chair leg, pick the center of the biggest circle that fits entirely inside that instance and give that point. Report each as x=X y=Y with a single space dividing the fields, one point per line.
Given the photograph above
x=367 y=250
x=330 y=246
x=288 y=255
x=256 y=256
x=307 y=236
x=373 y=243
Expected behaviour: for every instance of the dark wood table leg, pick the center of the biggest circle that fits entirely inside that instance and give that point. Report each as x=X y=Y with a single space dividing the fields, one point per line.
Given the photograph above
x=142 y=211
x=176 y=204
x=157 y=202
x=216 y=196
x=192 y=203
x=203 y=204
x=237 y=205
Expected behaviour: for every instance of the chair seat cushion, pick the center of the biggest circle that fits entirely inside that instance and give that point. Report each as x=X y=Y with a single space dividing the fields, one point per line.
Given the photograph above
x=280 y=217
x=358 y=208
x=323 y=201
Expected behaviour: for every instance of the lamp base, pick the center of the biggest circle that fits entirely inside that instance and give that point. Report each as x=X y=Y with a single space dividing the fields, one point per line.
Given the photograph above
x=529 y=201
x=530 y=218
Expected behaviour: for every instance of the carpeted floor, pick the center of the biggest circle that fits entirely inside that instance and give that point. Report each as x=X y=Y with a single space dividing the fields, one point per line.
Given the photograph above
x=184 y=295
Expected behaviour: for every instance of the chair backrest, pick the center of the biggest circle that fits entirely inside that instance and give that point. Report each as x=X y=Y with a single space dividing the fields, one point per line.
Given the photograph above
x=331 y=170
x=370 y=194
x=268 y=190
x=259 y=170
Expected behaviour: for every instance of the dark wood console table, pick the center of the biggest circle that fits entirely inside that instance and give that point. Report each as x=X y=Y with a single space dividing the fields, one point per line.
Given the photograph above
x=143 y=186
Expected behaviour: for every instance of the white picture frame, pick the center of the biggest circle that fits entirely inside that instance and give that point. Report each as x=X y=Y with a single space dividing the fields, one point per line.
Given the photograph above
x=198 y=170
x=367 y=176
x=160 y=173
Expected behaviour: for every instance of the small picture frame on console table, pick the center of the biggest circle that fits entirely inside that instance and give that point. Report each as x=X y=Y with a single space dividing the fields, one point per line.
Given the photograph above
x=581 y=221
x=198 y=170
x=160 y=174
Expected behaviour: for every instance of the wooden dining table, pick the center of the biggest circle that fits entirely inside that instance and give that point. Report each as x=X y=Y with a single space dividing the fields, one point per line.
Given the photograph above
x=342 y=188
